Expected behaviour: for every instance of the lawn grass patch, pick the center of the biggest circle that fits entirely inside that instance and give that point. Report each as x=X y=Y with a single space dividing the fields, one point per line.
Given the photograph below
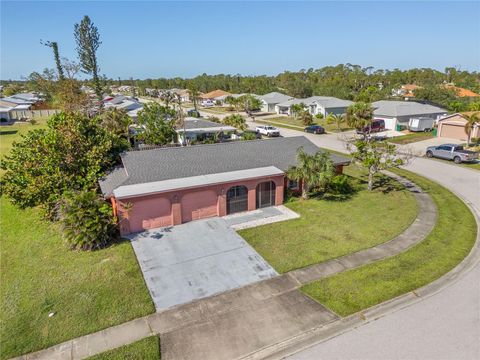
x=145 y=349
x=295 y=124
x=11 y=133
x=87 y=291
x=445 y=247
x=328 y=229
x=411 y=138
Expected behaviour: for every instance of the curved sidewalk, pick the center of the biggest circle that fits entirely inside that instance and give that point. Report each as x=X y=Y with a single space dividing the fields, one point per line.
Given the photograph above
x=255 y=321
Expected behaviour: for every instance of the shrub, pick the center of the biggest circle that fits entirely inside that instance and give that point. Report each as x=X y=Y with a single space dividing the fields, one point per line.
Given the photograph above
x=3 y=120
x=87 y=221
x=319 y=116
x=340 y=184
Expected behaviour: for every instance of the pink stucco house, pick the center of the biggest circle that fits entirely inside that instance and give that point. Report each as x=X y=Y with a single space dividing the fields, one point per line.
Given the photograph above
x=170 y=186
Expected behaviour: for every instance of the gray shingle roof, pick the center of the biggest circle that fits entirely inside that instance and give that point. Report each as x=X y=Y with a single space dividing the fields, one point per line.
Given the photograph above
x=274 y=97
x=393 y=108
x=180 y=162
x=198 y=123
x=324 y=101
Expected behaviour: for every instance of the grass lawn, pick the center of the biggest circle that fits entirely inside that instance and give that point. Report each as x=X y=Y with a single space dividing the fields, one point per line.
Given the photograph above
x=11 y=133
x=411 y=137
x=217 y=110
x=87 y=291
x=446 y=246
x=291 y=122
x=145 y=349
x=328 y=229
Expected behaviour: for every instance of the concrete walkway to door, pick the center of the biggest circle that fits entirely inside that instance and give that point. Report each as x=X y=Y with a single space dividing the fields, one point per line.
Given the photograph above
x=201 y=258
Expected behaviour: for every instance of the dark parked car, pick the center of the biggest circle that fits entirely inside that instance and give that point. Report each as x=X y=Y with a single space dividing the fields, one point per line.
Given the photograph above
x=315 y=129
x=193 y=113
x=375 y=126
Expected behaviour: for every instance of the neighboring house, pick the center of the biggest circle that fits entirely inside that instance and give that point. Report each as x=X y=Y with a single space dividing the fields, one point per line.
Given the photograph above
x=215 y=95
x=271 y=99
x=174 y=185
x=12 y=106
x=5 y=108
x=398 y=113
x=407 y=91
x=324 y=105
x=197 y=129
x=461 y=92
x=453 y=127
x=126 y=103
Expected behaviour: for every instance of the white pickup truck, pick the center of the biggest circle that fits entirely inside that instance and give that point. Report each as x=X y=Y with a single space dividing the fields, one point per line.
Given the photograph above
x=269 y=131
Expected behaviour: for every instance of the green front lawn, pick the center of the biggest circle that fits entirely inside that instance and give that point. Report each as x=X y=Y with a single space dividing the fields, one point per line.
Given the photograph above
x=411 y=137
x=145 y=349
x=291 y=122
x=446 y=246
x=11 y=133
x=328 y=229
x=87 y=291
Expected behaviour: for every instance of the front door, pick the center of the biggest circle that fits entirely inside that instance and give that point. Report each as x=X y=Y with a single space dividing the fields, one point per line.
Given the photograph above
x=237 y=199
x=265 y=194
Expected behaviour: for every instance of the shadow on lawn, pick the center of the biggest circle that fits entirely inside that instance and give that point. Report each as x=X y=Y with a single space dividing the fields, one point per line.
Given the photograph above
x=8 y=132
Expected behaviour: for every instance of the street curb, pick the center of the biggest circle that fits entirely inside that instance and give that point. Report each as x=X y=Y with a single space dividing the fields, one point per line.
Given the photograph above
x=324 y=333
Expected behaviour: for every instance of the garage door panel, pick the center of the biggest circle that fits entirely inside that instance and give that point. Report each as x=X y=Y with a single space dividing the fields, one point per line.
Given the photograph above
x=450 y=131
x=199 y=205
x=150 y=213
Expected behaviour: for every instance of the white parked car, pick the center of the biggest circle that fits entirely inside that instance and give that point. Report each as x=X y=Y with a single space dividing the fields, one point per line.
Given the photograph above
x=208 y=103
x=268 y=130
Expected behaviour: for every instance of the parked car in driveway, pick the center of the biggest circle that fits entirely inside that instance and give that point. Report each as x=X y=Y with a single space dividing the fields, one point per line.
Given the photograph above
x=315 y=129
x=452 y=152
x=270 y=131
x=375 y=126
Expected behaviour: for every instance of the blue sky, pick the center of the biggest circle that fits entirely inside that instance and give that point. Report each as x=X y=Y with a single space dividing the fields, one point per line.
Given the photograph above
x=167 y=39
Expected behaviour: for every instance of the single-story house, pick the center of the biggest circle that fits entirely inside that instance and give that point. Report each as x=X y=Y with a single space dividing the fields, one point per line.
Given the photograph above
x=173 y=185
x=271 y=99
x=126 y=103
x=400 y=112
x=453 y=127
x=324 y=105
x=198 y=129
x=215 y=95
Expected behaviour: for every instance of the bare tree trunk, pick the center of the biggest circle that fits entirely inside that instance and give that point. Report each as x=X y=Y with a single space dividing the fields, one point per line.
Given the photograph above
x=371 y=174
x=304 y=191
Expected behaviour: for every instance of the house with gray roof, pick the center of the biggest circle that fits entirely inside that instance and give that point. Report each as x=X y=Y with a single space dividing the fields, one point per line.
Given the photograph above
x=271 y=99
x=324 y=105
x=174 y=185
x=398 y=113
x=199 y=129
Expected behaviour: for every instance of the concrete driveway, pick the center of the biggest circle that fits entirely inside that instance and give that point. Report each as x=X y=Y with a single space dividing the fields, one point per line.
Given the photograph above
x=198 y=259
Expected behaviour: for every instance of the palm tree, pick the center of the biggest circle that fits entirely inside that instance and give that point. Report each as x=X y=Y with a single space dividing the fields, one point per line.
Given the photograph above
x=236 y=120
x=359 y=115
x=295 y=109
x=193 y=94
x=305 y=117
x=337 y=119
x=312 y=170
x=472 y=119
